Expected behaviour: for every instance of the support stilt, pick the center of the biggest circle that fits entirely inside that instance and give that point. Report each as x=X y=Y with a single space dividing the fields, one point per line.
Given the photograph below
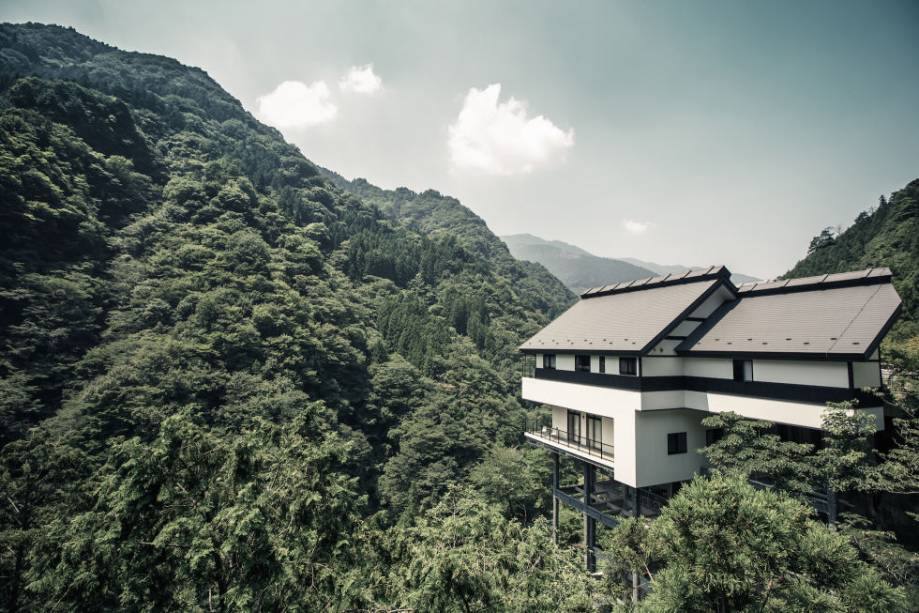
x=590 y=524
x=636 y=512
x=555 y=503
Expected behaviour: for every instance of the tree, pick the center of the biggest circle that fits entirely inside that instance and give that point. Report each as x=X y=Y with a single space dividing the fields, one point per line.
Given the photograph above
x=721 y=545
x=465 y=555
x=826 y=238
x=899 y=471
x=748 y=448
x=199 y=519
x=515 y=480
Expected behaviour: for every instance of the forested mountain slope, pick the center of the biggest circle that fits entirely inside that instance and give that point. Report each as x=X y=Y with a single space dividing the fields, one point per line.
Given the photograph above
x=578 y=269
x=228 y=383
x=886 y=235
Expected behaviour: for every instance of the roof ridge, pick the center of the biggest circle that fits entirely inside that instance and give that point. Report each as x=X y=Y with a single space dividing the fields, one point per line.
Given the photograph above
x=865 y=276
x=690 y=275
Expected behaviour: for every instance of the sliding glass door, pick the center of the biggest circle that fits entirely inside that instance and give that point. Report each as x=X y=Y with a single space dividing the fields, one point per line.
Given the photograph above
x=574 y=427
x=594 y=431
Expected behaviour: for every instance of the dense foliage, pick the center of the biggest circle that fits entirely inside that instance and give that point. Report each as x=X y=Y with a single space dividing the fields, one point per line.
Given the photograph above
x=720 y=545
x=232 y=380
x=219 y=368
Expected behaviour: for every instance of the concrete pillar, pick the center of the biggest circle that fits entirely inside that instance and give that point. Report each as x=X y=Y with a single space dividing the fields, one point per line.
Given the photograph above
x=590 y=524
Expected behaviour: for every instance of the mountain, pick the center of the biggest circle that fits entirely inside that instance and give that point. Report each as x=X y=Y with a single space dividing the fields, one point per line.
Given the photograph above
x=576 y=268
x=663 y=269
x=436 y=215
x=231 y=380
x=885 y=235
x=580 y=270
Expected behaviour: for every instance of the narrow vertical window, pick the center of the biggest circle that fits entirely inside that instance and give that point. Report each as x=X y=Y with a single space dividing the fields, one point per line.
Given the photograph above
x=594 y=431
x=743 y=370
x=601 y=366
x=574 y=427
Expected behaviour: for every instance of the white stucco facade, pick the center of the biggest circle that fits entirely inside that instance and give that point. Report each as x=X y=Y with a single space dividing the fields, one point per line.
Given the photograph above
x=637 y=423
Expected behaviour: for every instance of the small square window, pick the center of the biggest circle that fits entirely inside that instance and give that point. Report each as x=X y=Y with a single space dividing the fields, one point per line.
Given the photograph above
x=582 y=363
x=602 y=364
x=628 y=366
x=676 y=443
x=548 y=361
x=743 y=370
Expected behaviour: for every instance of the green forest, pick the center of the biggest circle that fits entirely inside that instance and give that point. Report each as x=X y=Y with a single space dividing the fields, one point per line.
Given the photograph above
x=232 y=380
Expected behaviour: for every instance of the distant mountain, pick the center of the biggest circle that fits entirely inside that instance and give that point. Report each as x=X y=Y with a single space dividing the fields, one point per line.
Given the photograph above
x=575 y=267
x=663 y=269
x=580 y=269
x=886 y=235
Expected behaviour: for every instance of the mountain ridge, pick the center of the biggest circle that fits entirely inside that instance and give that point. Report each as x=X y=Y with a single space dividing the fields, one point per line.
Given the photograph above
x=580 y=270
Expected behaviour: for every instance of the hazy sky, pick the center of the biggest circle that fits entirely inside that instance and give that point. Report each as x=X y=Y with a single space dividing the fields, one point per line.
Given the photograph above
x=680 y=132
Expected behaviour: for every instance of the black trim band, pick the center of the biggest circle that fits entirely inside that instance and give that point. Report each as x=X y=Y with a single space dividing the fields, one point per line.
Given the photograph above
x=812 y=394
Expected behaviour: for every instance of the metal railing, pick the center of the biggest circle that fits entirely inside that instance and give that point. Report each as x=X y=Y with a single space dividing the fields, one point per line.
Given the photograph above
x=575 y=441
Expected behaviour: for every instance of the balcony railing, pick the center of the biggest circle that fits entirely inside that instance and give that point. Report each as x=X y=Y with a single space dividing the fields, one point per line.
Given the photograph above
x=575 y=441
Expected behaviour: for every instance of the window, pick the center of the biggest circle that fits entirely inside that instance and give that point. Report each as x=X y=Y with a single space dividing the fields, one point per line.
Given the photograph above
x=594 y=431
x=713 y=435
x=628 y=366
x=676 y=443
x=602 y=364
x=743 y=370
x=548 y=361
x=574 y=427
x=582 y=363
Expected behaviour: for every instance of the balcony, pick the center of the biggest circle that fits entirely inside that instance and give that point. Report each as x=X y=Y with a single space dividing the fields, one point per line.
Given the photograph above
x=541 y=432
x=611 y=500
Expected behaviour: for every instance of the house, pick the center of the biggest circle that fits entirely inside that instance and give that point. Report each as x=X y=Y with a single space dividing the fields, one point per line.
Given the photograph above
x=632 y=369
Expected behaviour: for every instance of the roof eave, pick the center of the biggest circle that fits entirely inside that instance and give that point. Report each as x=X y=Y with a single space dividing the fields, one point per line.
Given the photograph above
x=776 y=355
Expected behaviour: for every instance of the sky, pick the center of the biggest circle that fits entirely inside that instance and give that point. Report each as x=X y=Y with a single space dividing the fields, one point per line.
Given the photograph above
x=678 y=132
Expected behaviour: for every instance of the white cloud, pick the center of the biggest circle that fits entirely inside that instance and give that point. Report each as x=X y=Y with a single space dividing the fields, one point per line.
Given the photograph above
x=361 y=80
x=294 y=104
x=635 y=227
x=500 y=139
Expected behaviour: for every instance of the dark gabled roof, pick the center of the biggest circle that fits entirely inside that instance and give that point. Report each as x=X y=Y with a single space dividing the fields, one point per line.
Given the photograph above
x=840 y=279
x=627 y=320
x=839 y=316
x=676 y=278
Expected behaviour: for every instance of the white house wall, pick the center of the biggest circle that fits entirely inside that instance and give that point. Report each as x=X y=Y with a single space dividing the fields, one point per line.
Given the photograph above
x=605 y=401
x=654 y=465
x=662 y=367
x=779 y=411
x=713 y=368
x=824 y=374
